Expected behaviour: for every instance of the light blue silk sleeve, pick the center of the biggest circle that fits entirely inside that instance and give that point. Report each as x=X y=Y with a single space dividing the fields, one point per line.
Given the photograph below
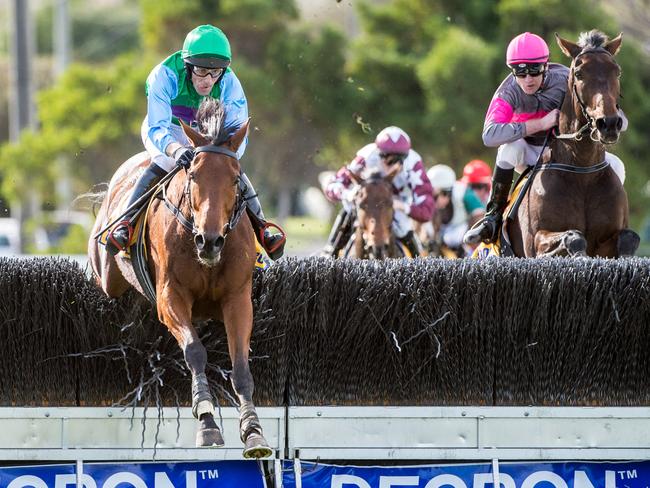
x=163 y=87
x=236 y=105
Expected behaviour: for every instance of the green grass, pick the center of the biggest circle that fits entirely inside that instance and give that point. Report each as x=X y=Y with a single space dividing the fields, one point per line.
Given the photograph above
x=305 y=228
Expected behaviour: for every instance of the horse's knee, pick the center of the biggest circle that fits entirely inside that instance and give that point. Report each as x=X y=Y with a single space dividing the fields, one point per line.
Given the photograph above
x=628 y=242
x=575 y=243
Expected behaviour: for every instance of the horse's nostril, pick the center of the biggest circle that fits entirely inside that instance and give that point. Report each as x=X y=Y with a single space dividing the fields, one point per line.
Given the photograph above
x=619 y=123
x=600 y=124
x=199 y=241
x=219 y=242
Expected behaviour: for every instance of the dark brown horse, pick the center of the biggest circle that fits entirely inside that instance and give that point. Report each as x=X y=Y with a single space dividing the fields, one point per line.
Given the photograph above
x=576 y=204
x=204 y=272
x=374 y=238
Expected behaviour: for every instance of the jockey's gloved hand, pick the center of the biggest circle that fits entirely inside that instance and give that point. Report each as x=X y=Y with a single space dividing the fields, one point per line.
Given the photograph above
x=184 y=156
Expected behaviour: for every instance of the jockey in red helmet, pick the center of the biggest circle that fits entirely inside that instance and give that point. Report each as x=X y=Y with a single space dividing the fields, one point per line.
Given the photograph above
x=413 y=196
x=457 y=207
x=477 y=174
x=523 y=109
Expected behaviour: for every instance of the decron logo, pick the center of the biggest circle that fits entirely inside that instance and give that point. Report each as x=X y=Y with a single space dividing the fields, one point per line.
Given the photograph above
x=537 y=479
x=122 y=479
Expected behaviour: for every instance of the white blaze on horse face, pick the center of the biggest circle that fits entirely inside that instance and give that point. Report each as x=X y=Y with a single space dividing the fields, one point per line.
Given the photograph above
x=598 y=111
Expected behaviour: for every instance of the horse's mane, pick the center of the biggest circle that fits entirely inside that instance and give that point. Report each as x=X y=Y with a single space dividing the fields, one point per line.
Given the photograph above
x=210 y=119
x=592 y=39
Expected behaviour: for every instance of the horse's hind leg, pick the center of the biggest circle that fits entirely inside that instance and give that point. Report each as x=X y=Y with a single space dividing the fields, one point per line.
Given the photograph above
x=175 y=312
x=628 y=243
x=238 y=319
x=567 y=243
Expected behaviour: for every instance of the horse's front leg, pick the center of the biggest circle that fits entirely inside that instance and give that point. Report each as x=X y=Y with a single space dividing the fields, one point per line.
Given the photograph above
x=175 y=311
x=238 y=318
x=627 y=243
x=567 y=243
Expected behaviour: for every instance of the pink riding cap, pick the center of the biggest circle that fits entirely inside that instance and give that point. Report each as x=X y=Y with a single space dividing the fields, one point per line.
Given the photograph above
x=393 y=140
x=527 y=48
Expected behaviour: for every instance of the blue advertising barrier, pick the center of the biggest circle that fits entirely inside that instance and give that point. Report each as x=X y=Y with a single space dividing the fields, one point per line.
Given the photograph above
x=511 y=475
x=222 y=474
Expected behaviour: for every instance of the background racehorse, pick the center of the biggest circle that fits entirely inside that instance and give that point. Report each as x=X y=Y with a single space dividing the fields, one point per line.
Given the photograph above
x=580 y=207
x=373 y=237
x=204 y=272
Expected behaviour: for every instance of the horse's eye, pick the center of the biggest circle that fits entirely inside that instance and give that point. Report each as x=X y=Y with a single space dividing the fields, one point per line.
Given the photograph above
x=578 y=75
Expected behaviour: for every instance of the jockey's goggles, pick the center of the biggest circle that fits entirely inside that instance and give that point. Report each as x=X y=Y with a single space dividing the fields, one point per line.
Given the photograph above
x=202 y=72
x=392 y=158
x=532 y=69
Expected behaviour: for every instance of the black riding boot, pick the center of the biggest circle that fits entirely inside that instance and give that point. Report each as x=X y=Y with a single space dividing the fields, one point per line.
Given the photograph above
x=119 y=238
x=487 y=229
x=273 y=243
x=411 y=243
x=339 y=235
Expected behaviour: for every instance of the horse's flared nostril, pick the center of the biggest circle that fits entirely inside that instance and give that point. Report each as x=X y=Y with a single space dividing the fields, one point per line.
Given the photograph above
x=218 y=243
x=209 y=243
x=609 y=124
x=619 y=123
x=199 y=241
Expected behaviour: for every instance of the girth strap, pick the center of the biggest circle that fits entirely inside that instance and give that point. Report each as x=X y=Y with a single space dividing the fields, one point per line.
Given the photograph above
x=575 y=169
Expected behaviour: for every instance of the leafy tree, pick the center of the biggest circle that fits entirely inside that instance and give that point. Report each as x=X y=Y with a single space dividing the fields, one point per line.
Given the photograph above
x=92 y=116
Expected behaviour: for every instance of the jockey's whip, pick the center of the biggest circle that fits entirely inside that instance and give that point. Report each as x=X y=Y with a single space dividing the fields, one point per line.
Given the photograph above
x=140 y=201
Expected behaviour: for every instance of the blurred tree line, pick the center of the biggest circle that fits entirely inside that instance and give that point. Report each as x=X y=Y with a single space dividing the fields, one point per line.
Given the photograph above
x=315 y=96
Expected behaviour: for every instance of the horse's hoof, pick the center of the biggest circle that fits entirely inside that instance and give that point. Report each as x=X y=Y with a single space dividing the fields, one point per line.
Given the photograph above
x=209 y=438
x=257 y=447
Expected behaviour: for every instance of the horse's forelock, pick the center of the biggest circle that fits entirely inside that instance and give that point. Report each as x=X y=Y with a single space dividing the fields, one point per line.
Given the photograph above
x=592 y=39
x=210 y=119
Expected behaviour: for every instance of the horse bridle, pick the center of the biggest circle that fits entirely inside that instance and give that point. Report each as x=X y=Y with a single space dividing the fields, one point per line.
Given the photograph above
x=240 y=200
x=590 y=125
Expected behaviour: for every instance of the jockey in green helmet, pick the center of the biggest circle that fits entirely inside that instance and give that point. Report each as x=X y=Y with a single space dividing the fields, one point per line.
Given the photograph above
x=175 y=89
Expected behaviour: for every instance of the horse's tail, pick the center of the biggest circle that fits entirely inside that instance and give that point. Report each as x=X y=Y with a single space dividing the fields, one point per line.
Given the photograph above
x=91 y=199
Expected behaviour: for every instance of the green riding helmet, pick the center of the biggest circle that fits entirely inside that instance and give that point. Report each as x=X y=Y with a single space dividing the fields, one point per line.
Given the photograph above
x=207 y=47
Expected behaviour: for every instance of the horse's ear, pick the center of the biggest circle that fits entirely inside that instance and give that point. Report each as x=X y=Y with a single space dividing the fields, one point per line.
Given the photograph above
x=569 y=48
x=195 y=138
x=614 y=45
x=356 y=178
x=392 y=173
x=238 y=137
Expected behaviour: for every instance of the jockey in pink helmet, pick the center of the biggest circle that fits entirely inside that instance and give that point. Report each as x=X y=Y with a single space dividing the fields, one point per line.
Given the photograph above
x=522 y=111
x=527 y=48
x=413 y=194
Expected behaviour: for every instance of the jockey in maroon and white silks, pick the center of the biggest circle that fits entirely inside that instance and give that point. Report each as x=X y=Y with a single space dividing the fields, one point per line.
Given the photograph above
x=411 y=186
x=511 y=108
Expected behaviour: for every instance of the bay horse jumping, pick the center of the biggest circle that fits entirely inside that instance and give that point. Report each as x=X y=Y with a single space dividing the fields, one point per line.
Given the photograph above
x=373 y=237
x=576 y=204
x=201 y=263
